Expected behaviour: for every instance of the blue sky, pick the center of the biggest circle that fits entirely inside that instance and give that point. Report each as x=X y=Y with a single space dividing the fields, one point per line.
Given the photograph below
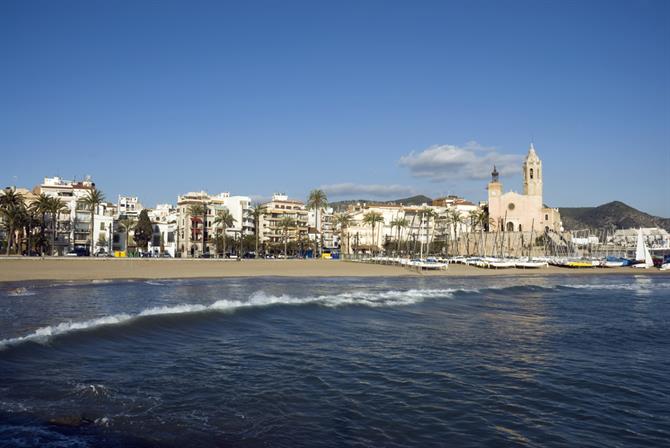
x=376 y=99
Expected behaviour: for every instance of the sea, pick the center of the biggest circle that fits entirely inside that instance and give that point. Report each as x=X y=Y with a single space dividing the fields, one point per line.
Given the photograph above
x=500 y=361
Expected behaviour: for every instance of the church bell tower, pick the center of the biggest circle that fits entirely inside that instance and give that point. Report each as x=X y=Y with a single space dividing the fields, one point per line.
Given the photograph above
x=532 y=174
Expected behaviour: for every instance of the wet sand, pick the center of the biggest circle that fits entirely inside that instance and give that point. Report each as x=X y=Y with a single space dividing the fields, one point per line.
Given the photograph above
x=20 y=269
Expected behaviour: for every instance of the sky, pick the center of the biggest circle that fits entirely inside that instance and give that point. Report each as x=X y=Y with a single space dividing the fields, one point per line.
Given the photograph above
x=364 y=99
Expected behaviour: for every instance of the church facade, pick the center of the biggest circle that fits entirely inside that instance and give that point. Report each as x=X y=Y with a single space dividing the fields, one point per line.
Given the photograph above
x=514 y=212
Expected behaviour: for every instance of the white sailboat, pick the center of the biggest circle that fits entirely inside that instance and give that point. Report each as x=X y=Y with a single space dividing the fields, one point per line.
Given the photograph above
x=642 y=254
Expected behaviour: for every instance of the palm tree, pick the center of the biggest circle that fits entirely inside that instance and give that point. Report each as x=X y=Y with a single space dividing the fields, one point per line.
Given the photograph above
x=194 y=211
x=42 y=206
x=55 y=208
x=255 y=212
x=399 y=223
x=456 y=220
x=286 y=223
x=11 y=207
x=128 y=225
x=92 y=201
x=428 y=214
x=343 y=221
x=372 y=219
x=317 y=200
x=225 y=219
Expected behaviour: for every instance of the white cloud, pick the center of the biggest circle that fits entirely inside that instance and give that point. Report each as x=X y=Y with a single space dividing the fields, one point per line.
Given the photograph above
x=361 y=191
x=471 y=161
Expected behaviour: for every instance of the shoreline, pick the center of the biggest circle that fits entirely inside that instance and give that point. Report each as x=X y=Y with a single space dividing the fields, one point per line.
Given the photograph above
x=68 y=269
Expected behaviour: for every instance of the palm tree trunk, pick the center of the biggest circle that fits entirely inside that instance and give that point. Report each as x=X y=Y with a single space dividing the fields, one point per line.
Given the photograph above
x=92 y=228
x=9 y=237
x=53 y=233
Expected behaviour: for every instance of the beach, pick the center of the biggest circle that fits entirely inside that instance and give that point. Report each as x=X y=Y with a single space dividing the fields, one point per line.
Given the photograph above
x=22 y=269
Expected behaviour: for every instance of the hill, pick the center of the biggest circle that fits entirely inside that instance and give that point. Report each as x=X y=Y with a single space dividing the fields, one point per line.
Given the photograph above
x=615 y=214
x=413 y=200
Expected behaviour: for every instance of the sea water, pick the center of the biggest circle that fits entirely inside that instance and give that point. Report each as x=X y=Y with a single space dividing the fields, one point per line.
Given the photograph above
x=397 y=362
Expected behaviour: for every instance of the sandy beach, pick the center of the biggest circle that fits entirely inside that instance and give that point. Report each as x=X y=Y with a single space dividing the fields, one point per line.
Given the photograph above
x=21 y=269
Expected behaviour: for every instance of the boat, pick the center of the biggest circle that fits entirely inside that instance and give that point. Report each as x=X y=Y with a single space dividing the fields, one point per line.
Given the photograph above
x=642 y=254
x=531 y=264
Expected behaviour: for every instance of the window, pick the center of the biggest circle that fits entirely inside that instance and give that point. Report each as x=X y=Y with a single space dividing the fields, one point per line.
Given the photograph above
x=511 y=206
x=510 y=227
x=531 y=173
x=520 y=229
x=102 y=226
x=546 y=217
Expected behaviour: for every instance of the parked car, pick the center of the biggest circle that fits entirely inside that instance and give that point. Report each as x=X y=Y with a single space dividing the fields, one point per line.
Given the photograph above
x=78 y=252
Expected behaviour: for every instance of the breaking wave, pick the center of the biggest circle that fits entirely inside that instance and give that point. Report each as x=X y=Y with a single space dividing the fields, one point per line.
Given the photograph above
x=258 y=299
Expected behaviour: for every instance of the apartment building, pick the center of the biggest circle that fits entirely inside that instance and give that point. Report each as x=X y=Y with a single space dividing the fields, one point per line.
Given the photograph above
x=195 y=234
x=73 y=227
x=279 y=208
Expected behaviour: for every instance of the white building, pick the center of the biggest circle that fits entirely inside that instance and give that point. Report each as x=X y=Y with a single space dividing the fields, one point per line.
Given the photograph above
x=73 y=229
x=128 y=206
x=164 y=221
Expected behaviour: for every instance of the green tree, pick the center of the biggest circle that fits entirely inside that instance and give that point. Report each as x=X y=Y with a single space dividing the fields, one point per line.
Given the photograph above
x=317 y=201
x=255 y=212
x=91 y=201
x=372 y=219
x=42 y=206
x=127 y=225
x=343 y=221
x=56 y=207
x=225 y=220
x=429 y=215
x=12 y=206
x=286 y=224
x=143 y=230
x=400 y=224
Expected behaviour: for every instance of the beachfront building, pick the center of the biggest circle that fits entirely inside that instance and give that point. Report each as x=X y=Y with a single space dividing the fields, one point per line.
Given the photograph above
x=73 y=227
x=654 y=237
x=196 y=234
x=129 y=207
x=273 y=234
x=164 y=222
x=406 y=228
x=514 y=212
x=324 y=232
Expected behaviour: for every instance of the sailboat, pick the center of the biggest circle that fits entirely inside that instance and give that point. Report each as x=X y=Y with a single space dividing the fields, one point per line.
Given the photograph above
x=642 y=254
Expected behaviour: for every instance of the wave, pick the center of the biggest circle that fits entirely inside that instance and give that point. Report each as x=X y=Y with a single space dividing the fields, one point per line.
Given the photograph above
x=259 y=299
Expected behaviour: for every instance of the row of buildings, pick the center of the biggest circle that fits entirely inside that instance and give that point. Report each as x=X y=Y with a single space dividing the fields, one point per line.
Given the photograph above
x=178 y=231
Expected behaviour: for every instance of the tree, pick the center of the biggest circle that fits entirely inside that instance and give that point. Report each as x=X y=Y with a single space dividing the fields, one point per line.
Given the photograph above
x=399 y=223
x=372 y=219
x=255 y=212
x=286 y=223
x=456 y=219
x=225 y=219
x=56 y=207
x=428 y=214
x=11 y=208
x=127 y=224
x=194 y=211
x=92 y=201
x=317 y=201
x=144 y=230
x=343 y=221
x=42 y=205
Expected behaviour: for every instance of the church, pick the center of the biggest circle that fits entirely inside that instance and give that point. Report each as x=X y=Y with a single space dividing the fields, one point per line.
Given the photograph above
x=525 y=212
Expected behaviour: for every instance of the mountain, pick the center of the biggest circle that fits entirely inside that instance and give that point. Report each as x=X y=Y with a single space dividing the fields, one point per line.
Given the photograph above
x=615 y=214
x=413 y=200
